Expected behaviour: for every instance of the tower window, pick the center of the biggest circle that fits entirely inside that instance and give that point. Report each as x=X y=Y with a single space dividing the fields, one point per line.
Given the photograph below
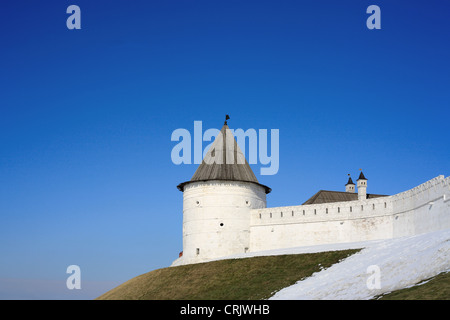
x=281 y=214
x=314 y=211
x=197 y=251
x=350 y=209
x=373 y=206
x=292 y=213
x=221 y=224
x=303 y=212
x=385 y=204
x=271 y=214
x=339 y=209
x=362 y=207
x=326 y=210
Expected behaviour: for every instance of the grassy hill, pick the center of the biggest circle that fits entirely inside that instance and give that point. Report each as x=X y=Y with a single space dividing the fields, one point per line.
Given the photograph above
x=238 y=279
x=251 y=279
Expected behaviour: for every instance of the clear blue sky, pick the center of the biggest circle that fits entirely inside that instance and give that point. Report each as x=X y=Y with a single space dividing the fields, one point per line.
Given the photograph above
x=86 y=118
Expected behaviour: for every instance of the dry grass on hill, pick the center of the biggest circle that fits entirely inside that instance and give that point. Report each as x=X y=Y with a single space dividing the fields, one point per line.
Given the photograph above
x=234 y=279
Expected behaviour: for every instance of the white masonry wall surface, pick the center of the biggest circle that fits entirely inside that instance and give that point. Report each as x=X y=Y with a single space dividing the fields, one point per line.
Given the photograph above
x=216 y=218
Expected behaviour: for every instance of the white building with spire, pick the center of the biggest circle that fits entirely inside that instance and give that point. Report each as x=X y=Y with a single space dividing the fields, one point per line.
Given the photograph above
x=225 y=210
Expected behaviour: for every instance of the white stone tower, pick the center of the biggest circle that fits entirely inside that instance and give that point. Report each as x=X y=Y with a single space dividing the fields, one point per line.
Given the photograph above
x=350 y=186
x=362 y=187
x=217 y=202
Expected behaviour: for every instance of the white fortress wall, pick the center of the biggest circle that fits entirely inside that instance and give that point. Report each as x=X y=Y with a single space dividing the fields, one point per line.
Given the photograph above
x=422 y=209
x=337 y=222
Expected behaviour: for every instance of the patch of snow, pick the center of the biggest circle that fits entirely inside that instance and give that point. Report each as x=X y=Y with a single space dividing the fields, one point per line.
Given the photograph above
x=400 y=263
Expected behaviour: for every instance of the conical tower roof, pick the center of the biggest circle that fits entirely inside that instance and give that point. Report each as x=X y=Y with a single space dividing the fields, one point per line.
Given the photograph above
x=350 y=181
x=224 y=161
x=361 y=176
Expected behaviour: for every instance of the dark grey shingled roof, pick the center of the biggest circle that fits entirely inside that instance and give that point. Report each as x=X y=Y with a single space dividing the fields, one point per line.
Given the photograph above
x=224 y=161
x=324 y=196
x=361 y=176
x=350 y=181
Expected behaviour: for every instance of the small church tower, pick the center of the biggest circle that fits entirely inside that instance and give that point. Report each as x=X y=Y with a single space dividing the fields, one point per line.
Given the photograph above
x=350 y=186
x=362 y=187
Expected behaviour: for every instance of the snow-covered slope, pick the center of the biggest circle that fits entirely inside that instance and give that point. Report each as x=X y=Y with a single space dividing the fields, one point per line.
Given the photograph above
x=382 y=266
